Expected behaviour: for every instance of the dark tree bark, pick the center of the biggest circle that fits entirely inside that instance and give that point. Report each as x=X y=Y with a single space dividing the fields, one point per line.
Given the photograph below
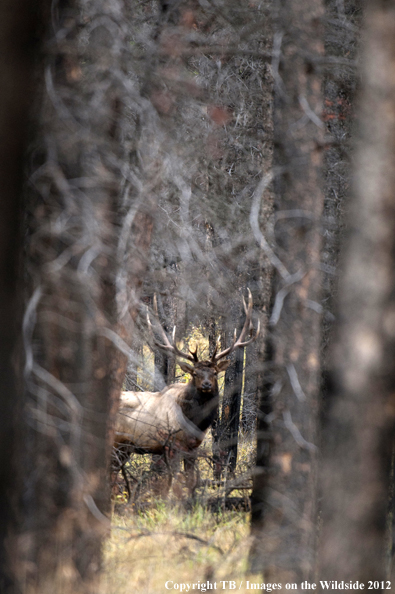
x=250 y=393
x=219 y=456
x=342 y=34
x=85 y=255
x=230 y=413
x=19 y=35
x=165 y=366
x=284 y=494
x=357 y=444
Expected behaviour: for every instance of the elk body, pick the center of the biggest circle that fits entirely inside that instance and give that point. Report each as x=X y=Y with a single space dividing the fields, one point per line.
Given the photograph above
x=178 y=417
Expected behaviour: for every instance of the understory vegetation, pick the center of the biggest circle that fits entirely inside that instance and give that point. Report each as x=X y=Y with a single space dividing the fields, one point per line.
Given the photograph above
x=169 y=542
x=153 y=477
x=158 y=537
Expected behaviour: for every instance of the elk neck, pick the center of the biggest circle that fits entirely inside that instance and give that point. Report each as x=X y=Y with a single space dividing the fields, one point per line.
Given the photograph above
x=200 y=406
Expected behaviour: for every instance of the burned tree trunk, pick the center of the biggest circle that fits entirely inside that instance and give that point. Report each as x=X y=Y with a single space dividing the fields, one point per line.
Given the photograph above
x=357 y=443
x=284 y=495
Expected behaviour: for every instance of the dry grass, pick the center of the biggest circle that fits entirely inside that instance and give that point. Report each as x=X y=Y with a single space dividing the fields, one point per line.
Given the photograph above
x=147 y=549
x=154 y=541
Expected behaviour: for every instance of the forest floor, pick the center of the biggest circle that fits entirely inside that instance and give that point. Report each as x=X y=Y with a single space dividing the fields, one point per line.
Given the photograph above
x=171 y=545
x=160 y=545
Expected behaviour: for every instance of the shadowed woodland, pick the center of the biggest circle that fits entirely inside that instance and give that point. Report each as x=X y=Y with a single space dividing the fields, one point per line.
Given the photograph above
x=197 y=337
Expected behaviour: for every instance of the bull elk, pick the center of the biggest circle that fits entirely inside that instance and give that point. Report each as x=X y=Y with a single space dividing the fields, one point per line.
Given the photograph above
x=178 y=417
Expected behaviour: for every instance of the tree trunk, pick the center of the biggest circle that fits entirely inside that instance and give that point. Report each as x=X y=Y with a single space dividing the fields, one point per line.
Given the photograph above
x=342 y=30
x=165 y=366
x=19 y=35
x=85 y=258
x=228 y=429
x=218 y=458
x=284 y=496
x=250 y=394
x=230 y=416
x=357 y=444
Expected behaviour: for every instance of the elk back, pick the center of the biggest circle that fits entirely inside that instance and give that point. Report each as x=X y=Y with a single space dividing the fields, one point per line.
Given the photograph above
x=151 y=421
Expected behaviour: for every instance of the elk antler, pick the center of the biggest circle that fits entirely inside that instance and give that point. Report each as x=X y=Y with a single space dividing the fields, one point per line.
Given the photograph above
x=168 y=346
x=240 y=341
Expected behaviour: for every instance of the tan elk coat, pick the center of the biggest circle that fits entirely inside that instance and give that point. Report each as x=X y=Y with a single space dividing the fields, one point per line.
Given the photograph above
x=153 y=420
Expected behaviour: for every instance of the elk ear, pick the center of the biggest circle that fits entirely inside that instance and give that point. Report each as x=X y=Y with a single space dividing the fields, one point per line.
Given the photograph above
x=186 y=368
x=223 y=365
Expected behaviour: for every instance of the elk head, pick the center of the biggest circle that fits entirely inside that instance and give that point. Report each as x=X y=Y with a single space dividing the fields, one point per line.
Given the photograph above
x=204 y=373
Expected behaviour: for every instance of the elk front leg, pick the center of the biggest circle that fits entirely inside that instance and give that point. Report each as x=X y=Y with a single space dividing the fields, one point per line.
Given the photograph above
x=190 y=469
